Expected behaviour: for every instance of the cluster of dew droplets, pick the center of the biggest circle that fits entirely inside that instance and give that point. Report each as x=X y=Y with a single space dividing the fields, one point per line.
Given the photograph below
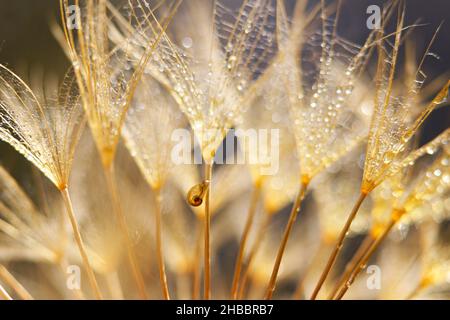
x=229 y=76
x=436 y=181
x=389 y=134
x=170 y=66
x=318 y=119
x=429 y=198
x=29 y=126
x=441 y=141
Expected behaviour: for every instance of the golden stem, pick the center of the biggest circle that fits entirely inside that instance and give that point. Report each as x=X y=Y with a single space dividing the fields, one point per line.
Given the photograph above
x=243 y=242
x=159 y=246
x=115 y=288
x=197 y=262
x=121 y=220
x=207 y=228
x=361 y=265
x=243 y=290
x=4 y=294
x=253 y=251
x=293 y=216
x=11 y=281
x=76 y=232
x=356 y=259
x=338 y=247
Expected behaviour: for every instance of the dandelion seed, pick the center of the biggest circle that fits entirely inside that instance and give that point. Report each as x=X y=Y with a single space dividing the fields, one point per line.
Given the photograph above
x=390 y=131
x=48 y=139
x=107 y=83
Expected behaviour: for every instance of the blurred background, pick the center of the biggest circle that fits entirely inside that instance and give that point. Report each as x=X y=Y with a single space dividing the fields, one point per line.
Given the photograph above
x=26 y=43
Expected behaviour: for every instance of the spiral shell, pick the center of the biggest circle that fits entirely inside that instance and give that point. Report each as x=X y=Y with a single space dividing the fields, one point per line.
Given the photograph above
x=196 y=194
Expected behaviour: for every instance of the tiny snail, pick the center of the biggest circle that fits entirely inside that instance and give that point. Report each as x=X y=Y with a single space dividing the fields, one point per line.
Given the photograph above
x=196 y=194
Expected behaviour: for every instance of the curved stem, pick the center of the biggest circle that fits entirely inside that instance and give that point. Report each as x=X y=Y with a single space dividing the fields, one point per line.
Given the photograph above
x=159 y=246
x=338 y=247
x=121 y=220
x=9 y=279
x=76 y=232
x=293 y=216
x=356 y=259
x=361 y=265
x=207 y=228
x=243 y=242
x=252 y=253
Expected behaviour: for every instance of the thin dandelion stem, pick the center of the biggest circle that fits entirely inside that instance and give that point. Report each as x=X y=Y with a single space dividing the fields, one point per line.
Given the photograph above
x=244 y=285
x=243 y=242
x=356 y=259
x=338 y=247
x=197 y=268
x=159 y=246
x=207 y=227
x=115 y=288
x=361 y=265
x=121 y=220
x=10 y=280
x=293 y=216
x=4 y=295
x=76 y=232
x=252 y=253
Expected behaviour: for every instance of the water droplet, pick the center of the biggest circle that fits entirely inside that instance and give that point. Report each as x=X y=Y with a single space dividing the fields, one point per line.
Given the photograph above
x=231 y=62
x=430 y=150
x=187 y=42
x=388 y=157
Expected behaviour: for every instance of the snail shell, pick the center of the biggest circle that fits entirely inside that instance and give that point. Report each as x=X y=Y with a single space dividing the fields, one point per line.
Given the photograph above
x=196 y=194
